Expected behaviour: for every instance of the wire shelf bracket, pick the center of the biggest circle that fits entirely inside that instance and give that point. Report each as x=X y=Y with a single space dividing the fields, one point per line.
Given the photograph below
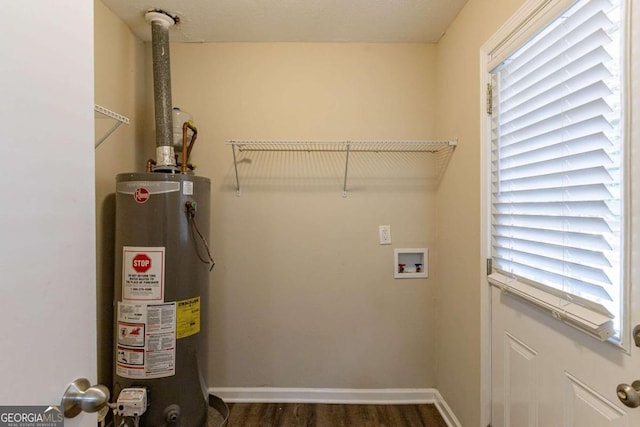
x=104 y=113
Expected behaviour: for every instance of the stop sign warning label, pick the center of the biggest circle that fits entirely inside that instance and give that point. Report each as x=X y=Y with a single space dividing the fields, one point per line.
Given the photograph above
x=143 y=273
x=141 y=263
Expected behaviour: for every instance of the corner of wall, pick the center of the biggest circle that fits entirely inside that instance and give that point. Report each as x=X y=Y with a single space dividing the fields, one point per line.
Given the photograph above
x=459 y=344
x=118 y=71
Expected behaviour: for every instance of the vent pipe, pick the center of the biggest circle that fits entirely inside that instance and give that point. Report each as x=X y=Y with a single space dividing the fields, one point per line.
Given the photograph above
x=160 y=23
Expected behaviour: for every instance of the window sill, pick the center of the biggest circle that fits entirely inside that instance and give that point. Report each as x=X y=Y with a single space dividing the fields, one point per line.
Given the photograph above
x=585 y=319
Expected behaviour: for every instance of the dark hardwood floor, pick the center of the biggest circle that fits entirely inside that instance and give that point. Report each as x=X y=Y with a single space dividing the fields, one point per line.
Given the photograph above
x=330 y=415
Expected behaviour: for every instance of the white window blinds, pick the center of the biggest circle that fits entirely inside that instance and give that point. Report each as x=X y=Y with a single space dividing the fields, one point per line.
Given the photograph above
x=556 y=157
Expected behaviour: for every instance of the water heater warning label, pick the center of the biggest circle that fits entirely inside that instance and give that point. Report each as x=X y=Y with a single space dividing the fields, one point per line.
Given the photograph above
x=188 y=317
x=146 y=346
x=131 y=334
x=143 y=274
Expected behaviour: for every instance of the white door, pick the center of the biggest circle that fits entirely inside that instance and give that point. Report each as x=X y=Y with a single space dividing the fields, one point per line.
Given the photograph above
x=547 y=373
x=47 y=243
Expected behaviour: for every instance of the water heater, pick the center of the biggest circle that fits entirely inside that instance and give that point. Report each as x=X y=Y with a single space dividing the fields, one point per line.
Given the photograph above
x=162 y=265
x=162 y=268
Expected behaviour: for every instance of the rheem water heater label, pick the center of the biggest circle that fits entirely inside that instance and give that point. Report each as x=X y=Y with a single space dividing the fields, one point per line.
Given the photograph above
x=146 y=343
x=143 y=274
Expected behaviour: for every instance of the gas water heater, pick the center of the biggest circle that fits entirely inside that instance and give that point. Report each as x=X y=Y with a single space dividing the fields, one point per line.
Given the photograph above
x=162 y=269
x=162 y=273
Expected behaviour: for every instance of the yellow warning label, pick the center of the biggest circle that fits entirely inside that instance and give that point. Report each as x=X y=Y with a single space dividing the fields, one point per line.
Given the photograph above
x=187 y=317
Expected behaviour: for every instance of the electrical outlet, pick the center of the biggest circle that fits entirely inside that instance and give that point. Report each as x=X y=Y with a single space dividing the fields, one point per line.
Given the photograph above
x=385 y=234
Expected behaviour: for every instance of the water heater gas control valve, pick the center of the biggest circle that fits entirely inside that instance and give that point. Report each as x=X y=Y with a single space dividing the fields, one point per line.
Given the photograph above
x=132 y=402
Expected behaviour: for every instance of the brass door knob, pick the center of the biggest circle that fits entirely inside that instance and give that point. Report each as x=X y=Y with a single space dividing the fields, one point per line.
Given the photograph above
x=629 y=394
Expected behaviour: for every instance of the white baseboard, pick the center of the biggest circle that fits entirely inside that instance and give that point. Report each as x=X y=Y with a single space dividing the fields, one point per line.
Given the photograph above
x=383 y=396
x=445 y=411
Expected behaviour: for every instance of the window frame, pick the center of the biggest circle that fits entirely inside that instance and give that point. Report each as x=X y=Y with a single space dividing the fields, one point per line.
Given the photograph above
x=530 y=19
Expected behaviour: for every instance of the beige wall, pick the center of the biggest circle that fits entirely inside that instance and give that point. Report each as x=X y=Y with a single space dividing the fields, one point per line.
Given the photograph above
x=302 y=294
x=458 y=205
x=119 y=66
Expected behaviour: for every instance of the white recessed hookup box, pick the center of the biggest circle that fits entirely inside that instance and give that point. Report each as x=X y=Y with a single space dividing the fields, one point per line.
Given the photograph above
x=411 y=263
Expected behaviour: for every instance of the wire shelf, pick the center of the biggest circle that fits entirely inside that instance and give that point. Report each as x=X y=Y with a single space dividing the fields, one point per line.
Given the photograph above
x=442 y=149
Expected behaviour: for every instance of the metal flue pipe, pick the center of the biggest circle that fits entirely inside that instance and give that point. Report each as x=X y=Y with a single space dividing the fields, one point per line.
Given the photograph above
x=160 y=23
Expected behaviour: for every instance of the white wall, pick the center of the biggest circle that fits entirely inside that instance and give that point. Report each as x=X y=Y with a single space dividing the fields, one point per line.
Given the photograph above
x=47 y=258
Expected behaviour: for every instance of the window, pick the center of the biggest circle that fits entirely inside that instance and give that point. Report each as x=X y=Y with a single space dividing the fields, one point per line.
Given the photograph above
x=557 y=168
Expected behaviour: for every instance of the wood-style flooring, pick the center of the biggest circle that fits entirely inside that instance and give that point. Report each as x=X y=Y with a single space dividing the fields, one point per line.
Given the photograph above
x=331 y=415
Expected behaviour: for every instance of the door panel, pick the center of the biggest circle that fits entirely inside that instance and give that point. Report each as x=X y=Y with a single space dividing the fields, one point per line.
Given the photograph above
x=586 y=407
x=545 y=373
x=520 y=374
x=47 y=226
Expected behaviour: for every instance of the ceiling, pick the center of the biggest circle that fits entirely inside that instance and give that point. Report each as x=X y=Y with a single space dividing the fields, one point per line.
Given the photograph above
x=375 y=21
